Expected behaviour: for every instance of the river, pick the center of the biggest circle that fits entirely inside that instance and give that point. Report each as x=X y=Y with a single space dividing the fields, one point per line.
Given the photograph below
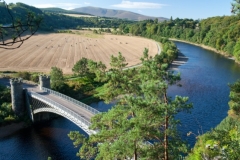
x=205 y=77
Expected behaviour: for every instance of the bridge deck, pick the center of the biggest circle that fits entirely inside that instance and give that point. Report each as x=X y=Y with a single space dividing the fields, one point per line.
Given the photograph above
x=79 y=110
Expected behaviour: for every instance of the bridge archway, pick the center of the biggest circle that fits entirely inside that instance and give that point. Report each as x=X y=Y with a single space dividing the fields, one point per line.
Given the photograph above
x=40 y=104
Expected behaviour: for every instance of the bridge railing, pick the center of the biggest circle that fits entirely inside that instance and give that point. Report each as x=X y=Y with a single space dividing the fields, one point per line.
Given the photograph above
x=59 y=106
x=92 y=110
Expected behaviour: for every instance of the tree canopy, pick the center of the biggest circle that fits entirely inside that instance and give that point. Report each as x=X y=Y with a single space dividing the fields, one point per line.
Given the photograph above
x=142 y=124
x=6 y=112
x=57 y=79
x=234 y=103
x=236 y=7
x=221 y=33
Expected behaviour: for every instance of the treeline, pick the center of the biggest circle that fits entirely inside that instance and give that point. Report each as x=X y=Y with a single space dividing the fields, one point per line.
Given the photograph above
x=6 y=113
x=63 y=11
x=54 y=20
x=82 y=85
x=221 y=33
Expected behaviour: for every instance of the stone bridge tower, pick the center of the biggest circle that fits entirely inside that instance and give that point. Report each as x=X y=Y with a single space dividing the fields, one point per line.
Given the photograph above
x=17 y=95
x=44 y=81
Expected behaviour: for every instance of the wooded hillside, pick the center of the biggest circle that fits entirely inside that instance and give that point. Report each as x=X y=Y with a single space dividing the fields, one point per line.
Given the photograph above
x=54 y=20
x=221 y=33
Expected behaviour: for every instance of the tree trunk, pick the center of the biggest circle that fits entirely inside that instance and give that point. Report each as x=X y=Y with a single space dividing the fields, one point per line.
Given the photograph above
x=166 y=139
x=135 y=155
x=135 y=152
x=166 y=127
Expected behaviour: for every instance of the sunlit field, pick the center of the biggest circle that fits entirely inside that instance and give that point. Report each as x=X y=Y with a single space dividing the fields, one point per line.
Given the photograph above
x=43 y=51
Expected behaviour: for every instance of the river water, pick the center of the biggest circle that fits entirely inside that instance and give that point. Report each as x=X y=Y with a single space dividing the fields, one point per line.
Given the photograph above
x=205 y=77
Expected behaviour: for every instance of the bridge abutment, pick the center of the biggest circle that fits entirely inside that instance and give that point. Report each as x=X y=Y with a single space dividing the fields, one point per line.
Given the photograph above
x=17 y=96
x=44 y=81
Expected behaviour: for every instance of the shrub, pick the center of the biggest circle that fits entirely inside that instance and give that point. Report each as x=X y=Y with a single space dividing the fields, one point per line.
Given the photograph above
x=24 y=75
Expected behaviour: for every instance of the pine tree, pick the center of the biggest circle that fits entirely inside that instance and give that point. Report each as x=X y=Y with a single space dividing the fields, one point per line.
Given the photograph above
x=236 y=7
x=20 y=30
x=142 y=123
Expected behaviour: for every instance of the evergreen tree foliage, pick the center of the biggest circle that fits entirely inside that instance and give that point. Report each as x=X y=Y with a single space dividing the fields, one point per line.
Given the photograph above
x=14 y=30
x=142 y=124
x=236 y=7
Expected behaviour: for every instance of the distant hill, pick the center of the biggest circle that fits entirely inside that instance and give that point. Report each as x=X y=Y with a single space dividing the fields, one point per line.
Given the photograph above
x=60 y=10
x=101 y=12
x=53 y=9
x=56 y=18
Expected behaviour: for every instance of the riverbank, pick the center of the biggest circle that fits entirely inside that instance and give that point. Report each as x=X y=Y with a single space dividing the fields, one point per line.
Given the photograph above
x=11 y=129
x=206 y=47
x=180 y=60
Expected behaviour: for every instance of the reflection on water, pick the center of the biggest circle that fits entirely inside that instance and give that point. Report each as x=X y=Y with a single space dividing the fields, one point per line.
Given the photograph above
x=101 y=106
x=205 y=79
x=40 y=142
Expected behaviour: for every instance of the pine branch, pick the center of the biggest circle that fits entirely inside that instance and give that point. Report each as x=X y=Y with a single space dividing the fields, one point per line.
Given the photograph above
x=17 y=29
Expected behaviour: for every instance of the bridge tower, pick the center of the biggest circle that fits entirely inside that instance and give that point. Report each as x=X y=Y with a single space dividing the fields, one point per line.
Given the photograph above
x=44 y=81
x=17 y=95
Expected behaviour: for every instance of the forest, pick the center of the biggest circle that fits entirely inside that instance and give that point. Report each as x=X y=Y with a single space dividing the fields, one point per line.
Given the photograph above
x=53 y=20
x=221 y=33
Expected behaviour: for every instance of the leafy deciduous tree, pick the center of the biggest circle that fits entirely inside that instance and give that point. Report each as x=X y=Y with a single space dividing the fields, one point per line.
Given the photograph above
x=5 y=104
x=57 y=79
x=220 y=143
x=236 y=51
x=234 y=103
x=223 y=141
x=80 y=67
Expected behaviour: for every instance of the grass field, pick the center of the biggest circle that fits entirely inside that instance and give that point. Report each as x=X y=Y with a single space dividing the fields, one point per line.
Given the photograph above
x=43 y=51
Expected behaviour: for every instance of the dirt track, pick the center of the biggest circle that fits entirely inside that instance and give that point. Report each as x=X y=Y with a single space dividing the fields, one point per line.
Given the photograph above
x=43 y=51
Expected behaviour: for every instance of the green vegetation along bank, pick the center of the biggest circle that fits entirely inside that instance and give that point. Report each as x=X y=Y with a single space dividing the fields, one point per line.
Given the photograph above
x=222 y=142
x=6 y=113
x=83 y=84
x=143 y=111
x=220 y=33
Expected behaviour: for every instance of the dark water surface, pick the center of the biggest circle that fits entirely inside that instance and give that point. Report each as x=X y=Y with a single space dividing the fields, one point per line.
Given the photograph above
x=205 y=78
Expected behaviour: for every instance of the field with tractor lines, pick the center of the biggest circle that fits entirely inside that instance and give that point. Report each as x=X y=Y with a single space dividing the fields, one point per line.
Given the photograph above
x=43 y=51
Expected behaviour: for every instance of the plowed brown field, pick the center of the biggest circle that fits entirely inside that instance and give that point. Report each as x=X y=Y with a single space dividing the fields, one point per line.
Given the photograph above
x=43 y=51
